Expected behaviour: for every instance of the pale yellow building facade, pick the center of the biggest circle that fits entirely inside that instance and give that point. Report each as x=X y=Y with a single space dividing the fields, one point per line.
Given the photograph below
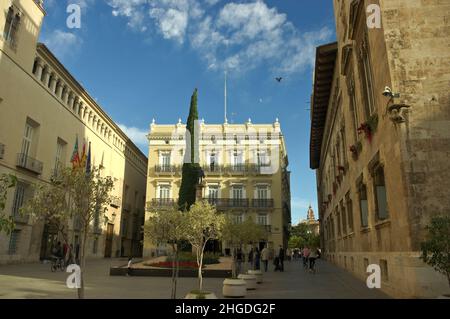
x=43 y=109
x=246 y=173
x=380 y=139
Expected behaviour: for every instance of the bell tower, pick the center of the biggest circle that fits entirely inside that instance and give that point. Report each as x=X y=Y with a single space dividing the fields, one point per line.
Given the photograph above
x=20 y=25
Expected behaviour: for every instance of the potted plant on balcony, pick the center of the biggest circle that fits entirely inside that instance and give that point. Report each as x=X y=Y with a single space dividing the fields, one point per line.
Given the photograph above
x=202 y=224
x=369 y=127
x=356 y=149
x=436 y=247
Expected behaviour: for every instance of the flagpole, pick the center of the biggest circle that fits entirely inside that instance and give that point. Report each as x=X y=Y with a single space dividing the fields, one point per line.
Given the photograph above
x=225 y=97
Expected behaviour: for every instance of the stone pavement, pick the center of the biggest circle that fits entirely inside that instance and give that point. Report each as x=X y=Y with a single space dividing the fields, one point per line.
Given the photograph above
x=37 y=281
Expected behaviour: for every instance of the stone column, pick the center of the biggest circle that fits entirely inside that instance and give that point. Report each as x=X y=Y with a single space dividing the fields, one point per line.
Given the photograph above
x=65 y=94
x=59 y=87
x=39 y=69
x=53 y=83
x=70 y=100
x=45 y=74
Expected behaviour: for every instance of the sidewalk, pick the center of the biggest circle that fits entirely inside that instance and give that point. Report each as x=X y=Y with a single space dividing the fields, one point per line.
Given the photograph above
x=37 y=281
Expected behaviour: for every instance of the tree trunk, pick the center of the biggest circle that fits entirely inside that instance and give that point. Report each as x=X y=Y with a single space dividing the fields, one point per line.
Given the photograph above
x=173 y=272
x=200 y=276
x=82 y=262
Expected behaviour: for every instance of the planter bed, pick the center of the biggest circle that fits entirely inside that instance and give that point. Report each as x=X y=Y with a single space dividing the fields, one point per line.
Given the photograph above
x=167 y=272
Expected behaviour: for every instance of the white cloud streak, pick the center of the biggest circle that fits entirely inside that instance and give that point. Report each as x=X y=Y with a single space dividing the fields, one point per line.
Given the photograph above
x=239 y=36
x=137 y=135
x=62 y=43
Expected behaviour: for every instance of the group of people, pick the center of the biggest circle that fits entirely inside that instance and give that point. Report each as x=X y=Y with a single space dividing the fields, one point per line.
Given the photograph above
x=255 y=258
x=66 y=252
x=309 y=256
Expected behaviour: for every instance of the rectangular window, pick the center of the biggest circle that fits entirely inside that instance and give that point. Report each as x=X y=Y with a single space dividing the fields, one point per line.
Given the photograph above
x=95 y=246
x=11 y=26
x=262 y=192
x=363 y=205
x=366 y=263
x=349 y=208
x=366 y=78
x=164 y=191
x=60 y=154
x=380 y=193
x=344 y=217
x=19 y=198
x=262 y=219
x=27 y=140
x=238 y=218
x=338 y=213
x=213 y=194
x=262 y=158
x=238 y=192
x=164 y=161
x=14 y=242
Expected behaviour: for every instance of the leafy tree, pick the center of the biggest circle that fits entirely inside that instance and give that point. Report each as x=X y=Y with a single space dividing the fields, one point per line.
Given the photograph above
x=50 y=205
x=239 y=234
x=190 y=169
x=303 y=235
x=90 y=194
x=6 y=222
x=202 y=223
x=78 y=194
x=167 y=226
x=436 y=247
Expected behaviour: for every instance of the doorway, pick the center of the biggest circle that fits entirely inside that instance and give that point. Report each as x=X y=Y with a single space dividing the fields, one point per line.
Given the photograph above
x=109 y=240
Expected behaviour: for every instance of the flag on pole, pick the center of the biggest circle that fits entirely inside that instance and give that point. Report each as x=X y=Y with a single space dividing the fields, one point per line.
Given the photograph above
x=88 y=160
x=83 y=155
x=75 y=160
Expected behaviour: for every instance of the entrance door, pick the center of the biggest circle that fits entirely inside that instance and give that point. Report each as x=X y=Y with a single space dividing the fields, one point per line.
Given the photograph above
x=109 y=240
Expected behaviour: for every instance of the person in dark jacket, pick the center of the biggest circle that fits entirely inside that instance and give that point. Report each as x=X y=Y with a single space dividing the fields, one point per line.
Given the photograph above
x=281 y=256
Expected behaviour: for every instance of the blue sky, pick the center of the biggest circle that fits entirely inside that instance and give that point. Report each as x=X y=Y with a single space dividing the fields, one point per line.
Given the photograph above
x=141 y=59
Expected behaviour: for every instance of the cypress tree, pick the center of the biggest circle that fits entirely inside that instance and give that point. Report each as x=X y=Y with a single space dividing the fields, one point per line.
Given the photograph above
x=189 y=178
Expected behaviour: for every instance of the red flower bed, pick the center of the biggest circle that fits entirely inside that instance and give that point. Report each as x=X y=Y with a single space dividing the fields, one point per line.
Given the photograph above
x=168 y=264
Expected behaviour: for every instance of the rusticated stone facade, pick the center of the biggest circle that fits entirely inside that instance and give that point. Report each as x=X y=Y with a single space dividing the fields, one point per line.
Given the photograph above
x=383 y=166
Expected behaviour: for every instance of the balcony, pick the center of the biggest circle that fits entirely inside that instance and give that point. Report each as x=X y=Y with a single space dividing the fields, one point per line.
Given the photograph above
x=268 y=228
x=237 y=169
x=2 y=151
x=160 y=203
x=262 y=203
x=28 y=163
x=115 y=202
x=166 y=169
x=213 y=169
x=229 y=202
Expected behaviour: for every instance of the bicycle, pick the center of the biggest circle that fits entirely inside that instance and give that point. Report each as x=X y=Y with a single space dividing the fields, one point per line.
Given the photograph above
x=57 y=263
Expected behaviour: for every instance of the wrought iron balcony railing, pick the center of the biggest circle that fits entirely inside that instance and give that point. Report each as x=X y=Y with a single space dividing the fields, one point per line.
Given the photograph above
x=262 y=203
x=30 y=164
x=160 y=203
x=166 y=169
x=229 y=202
x=212 y=169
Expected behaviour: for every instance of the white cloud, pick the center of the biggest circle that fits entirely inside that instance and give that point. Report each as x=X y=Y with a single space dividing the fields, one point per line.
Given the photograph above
x=62 y=43
x=137 y=135
x=240 y=36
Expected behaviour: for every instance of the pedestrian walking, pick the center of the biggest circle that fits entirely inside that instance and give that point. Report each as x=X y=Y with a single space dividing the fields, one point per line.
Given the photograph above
x=257 y=259
x=305 y=255
x=239 y=259
x=129 y=266
x=313 y=255
x=281 y=256
x=265 y=258
x=250 y=258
